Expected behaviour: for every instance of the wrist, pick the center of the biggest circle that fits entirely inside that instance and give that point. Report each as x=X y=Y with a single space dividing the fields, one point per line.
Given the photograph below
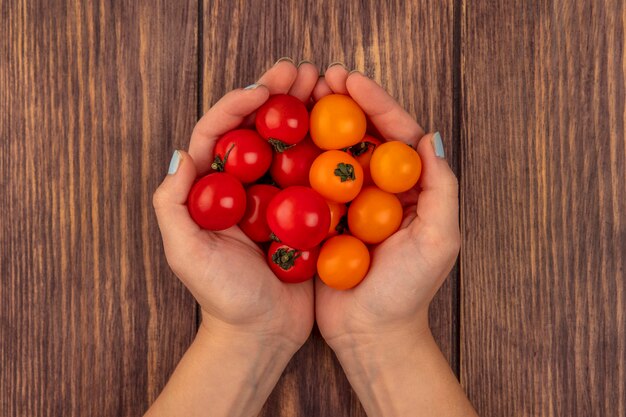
x=246 y=343
x=396 y=376
x=380 y=337
x=363 y=356
x=227 y=371
x=234 y=371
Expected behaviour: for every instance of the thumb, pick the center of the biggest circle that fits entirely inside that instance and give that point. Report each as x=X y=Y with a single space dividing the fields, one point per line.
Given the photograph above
x=438 y=201
x=169 y=200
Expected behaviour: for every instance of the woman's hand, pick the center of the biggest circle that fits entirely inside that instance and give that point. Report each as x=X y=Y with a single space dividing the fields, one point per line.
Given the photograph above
x=252 y=323
x=408 y=268
x=379 y=329
x=225 y=271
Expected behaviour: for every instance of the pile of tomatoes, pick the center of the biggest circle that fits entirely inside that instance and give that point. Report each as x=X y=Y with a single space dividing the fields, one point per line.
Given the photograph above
x=313 y=190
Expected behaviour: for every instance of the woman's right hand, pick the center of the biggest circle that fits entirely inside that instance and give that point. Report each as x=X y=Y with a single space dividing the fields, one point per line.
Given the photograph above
x=408 y=268
x=379 y=329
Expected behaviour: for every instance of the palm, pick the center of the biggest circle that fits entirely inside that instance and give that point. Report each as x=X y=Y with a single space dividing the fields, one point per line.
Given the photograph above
x=237 y=287
x=225 y=271
x=402 y=279
x=407 y=268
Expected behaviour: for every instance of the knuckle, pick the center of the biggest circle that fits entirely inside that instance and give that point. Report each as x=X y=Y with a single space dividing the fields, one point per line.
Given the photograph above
x=449 y=191
x=197 y=129
x=446 y=243
x=159 y=198
x=175 y=265
x=455 y=242
x=452 y=184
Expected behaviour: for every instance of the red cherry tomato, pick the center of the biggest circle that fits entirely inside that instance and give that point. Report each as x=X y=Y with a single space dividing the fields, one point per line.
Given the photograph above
x=291 y=166
x=362 y=152
x=217 y=201
x=292 y=265
x=299 y=217
x=254 y=221
x=244 y=154
x=282 y=118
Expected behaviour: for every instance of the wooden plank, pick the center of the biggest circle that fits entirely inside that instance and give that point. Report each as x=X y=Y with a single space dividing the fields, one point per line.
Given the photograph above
x=95 y=96
x=543 y=329
x=408 y=48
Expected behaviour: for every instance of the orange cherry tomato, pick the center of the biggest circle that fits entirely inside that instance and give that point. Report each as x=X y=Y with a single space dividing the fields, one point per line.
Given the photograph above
x=395 y=167
x=337 y=211
x=374 y=215
x=362 y=152
x=343 y=262
x=337 y=122
x=336 y=176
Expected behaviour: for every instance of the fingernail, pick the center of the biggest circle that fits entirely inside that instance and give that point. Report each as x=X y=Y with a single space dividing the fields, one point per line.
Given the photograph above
x=174 y=163
x=438 y=146
x=354 y=72
x=335 y=64
x=285 y=58
x=252 y=86
x=304 y=61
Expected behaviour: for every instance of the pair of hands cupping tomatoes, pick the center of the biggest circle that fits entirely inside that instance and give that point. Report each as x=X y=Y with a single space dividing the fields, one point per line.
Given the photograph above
x=228 y=273
x=328 y=195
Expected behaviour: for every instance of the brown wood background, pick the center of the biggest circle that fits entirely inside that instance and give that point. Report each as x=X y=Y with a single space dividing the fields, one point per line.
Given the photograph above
x=529 y=97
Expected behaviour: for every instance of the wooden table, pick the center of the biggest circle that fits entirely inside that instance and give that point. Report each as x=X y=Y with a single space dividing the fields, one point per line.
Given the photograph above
x=528 y=95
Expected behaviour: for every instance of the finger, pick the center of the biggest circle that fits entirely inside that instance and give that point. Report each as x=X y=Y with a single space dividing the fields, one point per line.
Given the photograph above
x=280 y=77
x=336 y=75
x=305 y=81
x=438 y=202
x=391 y=120
x=176 y=225
x=409 y=214
x=321 y=89
x=227 y=114
x=278 y=80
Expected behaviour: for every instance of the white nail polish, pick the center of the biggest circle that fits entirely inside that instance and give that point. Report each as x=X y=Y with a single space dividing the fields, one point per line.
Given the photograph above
x=174 y=163
x=251 y=86
x=438 y=146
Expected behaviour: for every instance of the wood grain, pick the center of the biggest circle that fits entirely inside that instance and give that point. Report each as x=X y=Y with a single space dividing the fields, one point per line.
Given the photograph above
x=529 y=97
x=408 y=48
x=543 y=329
x=94 y=96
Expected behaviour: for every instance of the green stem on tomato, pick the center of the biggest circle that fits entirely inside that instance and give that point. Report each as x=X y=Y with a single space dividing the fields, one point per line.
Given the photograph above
x=219 y=163
x=345 y=172
x=278 y=145
x=360 y=148
x=285 y=258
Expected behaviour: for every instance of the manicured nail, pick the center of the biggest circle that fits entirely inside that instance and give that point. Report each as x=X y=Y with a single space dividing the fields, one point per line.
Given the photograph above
x=285 y=58
x=174 y=163
x=438 y=146
x=252 y=86
x=335 y=64
x=304 y=61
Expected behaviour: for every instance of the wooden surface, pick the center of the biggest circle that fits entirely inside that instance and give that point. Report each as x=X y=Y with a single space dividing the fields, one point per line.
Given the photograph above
x=94 y=96
x=543 y=329
x=529 y=97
